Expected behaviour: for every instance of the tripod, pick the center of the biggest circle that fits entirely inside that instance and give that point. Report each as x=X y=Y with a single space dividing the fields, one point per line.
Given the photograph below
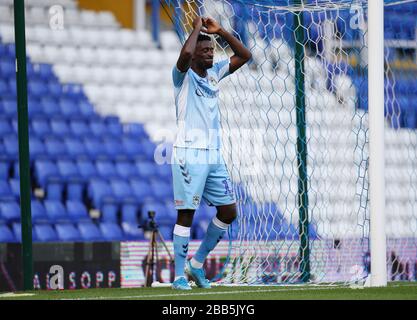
x=152 y=257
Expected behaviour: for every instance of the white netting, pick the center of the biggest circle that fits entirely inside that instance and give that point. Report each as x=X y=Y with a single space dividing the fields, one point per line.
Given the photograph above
x=259 y=122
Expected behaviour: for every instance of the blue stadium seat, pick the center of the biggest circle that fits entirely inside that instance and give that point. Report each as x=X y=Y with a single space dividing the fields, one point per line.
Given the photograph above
x=45 y=233
x=49 y=178
x=11 y=146
x=98 y=127
x=100 y=192
x=126 y=170
x=114 y=148
x=164 y=172
x=162 y=190
x=106 y=169
x=133 y=148
x=95 y=148
x=15 y=187
x=38 y=212
x=74 y=181
x=6 y=235
x=4 y=165
x=68 y=232
x=122 y=190
x=77 y=211
x=111 y=231
x=54 y=88
x=34 y=107
x=86 y=109
x=115 y=128
x=37 y=88
x=44 y=71
x=80 y=128
x=55 y=148
x=73 y=91
x=89 y=231
x=147 y=170
x=6 y=193
x=50 y=107
x=130 y=213
x=75 y=148
x=132 y=232
x=37 y=149
x=10 y=211
x=69 y=108
x=40 y=127
x=7 y=68
x=87 y=169
x=148 y=148
x=136 y=131
x=17 y=231
x=5 y=127
x=60 y=128
x=141 y=189
x=56 y=211
x=10 y=106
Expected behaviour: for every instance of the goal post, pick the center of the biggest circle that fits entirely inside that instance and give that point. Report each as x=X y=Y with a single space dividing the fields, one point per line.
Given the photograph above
x=377 y=143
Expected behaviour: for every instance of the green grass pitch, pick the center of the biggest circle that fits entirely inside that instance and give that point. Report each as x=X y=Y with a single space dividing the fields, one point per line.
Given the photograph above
x=394 y=291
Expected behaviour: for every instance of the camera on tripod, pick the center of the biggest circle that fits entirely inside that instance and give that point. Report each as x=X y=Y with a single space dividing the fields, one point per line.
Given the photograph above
x=150 y=227
x=150 y=224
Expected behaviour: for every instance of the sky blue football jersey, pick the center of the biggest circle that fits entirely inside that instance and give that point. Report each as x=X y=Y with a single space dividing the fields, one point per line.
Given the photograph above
x=197 y=106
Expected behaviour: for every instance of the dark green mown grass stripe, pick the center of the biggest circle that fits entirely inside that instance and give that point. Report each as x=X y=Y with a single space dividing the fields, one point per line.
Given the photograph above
x=394 y=291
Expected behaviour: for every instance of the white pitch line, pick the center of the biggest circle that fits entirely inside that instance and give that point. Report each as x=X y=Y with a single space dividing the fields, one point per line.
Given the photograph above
x=202 y=293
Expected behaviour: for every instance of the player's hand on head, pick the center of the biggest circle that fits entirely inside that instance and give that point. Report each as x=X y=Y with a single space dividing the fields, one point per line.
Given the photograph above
x=211 y=25
x=197 y=23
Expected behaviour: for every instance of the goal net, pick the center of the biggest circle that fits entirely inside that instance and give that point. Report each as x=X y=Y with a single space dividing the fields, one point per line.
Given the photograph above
x=295 y=138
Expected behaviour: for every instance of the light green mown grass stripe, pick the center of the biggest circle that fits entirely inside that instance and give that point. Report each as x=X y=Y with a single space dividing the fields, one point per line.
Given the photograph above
x=402 y=291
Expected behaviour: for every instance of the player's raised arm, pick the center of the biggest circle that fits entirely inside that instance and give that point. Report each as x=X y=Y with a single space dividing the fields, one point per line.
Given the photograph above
x=187 y=51
x=241 y=53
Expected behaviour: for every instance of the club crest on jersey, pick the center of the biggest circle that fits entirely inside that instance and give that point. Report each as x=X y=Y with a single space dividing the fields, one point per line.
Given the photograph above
x=212 y=81
x=196 y=200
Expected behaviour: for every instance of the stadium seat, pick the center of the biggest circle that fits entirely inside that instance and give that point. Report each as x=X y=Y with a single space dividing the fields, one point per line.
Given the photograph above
x=40 y=127
x=111 y=231
x=161 y=190
x=95 y=148
x=56 y=211
x=77 y=211
x=87 y=169
x=75 y=148
x=6 y=235
x=45 y=233
x=17 y=231
x=6 y=193
x=141 y=189
x=48 y=178
x=132 y=232
x=80 y=128
x=89 y=231
x=5 y=127
x=114 y=148
x=55 y=148
x=37 y=149
x=38 y=212
x=67 y=232
x=146 y=170
x=122 y=190
x=126 y=170
x=10 y=211
x=106 y=169
x=100 y=192
x=60 y=128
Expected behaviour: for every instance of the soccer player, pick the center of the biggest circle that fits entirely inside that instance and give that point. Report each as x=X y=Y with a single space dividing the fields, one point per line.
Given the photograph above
x=198 y=169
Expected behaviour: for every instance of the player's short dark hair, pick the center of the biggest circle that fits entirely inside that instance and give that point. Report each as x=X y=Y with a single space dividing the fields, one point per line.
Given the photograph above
x=203 y=37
